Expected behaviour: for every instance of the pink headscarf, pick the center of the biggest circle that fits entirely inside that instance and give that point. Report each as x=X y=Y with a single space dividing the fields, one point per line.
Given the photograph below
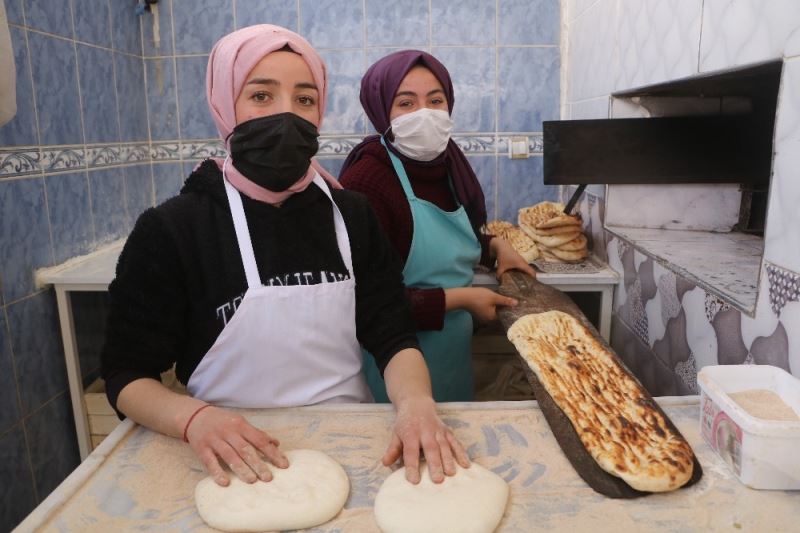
x=231 y=60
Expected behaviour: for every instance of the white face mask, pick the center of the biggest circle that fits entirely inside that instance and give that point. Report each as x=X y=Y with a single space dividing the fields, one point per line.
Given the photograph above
x=423 y=134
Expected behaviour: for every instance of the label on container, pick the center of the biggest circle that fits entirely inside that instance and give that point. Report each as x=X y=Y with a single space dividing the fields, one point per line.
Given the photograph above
x=721 y=433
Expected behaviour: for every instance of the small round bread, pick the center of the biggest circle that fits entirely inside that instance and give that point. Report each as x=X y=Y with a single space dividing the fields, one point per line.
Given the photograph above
x=472 y=501
x=310 y=492
x=551 y=241
x=522 y=244
x=575 y=245
x=497 y=227
x=555 y=231
x=570 y=257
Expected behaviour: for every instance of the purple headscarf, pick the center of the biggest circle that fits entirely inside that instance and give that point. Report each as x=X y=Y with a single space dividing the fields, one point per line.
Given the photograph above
x=378 y=87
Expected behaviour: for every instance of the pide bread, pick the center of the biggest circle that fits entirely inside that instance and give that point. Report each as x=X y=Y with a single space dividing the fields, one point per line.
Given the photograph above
x=524 y=245
x=519 y=241
x=616 y=421
x=551 y=241
x=557 y=234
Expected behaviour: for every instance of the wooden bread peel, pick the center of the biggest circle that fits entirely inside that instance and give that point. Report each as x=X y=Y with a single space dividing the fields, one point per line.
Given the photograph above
x=536 y=297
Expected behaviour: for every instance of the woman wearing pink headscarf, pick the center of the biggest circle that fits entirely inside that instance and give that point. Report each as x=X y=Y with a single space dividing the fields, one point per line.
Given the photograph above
x=261 y=280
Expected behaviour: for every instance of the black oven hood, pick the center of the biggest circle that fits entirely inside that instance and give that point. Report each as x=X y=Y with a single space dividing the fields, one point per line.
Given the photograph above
x=714 y=148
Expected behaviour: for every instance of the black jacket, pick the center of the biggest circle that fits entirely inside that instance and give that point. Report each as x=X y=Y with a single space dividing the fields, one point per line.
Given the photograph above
x=180 y=275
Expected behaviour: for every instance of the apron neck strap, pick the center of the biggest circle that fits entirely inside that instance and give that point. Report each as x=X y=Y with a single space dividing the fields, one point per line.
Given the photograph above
x=342 y=239
x=242 y=231
x=400 y=171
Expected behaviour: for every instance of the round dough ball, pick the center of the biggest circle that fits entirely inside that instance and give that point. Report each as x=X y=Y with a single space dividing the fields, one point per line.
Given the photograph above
x=471 y=501
x=310 y=492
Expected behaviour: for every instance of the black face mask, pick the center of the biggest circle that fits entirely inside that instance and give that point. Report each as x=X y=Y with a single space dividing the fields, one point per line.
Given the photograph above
x=274 y=152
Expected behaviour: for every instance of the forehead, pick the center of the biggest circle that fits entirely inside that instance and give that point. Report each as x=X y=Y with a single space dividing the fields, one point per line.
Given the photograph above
x=282 y=66
x=419 y=78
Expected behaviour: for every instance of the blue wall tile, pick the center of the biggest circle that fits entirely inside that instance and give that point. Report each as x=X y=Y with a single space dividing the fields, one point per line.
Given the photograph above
x=164 y=47
x=529 y=88
x=108 y=203
x=343 y=113
x=188 y=167
x=9 y=402
x=168 y=179
x=332 y=23
x=56 y=84
x=14 y=12
x=200 y=24
x=16 y=490
x=139 y=189
x=21 y=130
x=519 y=185
x=485 y=168
x=529 y=21
x=132 y=100
x=36 y=341
x=332 y=165
x=70 y=214
x=473 y=73
x=463 y=22
x=162 y=106
x=196 y=122
x=51 y=16
x=100 y=116
x=399 y=23
x=92 y=22
x=277 y=12
x=52 y=459
x=24 y=235
x=125 y=27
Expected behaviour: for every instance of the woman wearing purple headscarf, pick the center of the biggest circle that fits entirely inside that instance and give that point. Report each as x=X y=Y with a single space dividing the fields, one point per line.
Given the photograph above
x=431 y=206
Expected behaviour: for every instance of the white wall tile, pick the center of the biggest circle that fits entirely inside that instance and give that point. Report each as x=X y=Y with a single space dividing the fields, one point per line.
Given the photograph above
x=657 y=41
x=575 y=8
x=589 y=109
x=737 y=32
x=693 y=207
x=782 y=241
x=765 y=320
x=700 y=335
x=592 y=57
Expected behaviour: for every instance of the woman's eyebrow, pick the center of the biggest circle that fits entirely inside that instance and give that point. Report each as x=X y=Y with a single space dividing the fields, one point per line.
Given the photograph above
x=412 y=93
x=263 y=81
x=305 y=85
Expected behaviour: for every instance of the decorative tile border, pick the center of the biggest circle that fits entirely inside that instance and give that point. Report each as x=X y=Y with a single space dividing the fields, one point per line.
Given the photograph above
x=20 y=162
x=784 y=287
x=26 y=161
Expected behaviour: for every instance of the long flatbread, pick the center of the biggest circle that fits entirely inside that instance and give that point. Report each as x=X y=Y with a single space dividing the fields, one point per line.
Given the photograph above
x=611 y=414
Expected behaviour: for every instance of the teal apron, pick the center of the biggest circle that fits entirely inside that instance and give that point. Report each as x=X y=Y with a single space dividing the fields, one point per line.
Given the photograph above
x=444 y=251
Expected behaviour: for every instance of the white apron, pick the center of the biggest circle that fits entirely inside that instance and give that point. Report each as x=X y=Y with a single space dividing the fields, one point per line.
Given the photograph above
x=285 y=345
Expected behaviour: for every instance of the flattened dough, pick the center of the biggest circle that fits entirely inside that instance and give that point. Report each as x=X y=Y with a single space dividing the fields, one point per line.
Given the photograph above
x=310 y=492
x=472 y=501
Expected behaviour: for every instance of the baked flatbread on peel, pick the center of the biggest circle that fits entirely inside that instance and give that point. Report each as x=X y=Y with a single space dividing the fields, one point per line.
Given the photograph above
x=614 y=418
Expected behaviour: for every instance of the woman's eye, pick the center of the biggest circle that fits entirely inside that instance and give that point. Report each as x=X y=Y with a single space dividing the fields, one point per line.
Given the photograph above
x=306 y=101
x=260 y=97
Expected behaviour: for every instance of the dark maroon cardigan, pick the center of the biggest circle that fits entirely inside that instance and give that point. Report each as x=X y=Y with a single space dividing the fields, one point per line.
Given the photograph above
x=374 y=176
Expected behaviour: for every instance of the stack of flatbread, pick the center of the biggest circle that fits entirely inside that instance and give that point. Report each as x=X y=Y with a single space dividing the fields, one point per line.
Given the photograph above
x=518 y=239
x=558 y=235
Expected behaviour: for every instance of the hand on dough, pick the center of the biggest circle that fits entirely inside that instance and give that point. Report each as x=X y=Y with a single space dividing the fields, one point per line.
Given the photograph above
x=219 y=434
x=419 y=427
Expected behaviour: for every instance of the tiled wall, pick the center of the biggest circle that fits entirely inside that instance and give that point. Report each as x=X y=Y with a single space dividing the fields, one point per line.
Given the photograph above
x=665 y=327
x=503 y=55
x=109 y=123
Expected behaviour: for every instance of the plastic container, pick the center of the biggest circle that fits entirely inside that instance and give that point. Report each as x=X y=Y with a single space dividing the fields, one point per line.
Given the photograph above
x=764 y=454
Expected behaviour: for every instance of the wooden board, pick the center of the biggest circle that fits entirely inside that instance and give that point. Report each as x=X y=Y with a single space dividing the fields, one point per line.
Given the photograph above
x=535 y=297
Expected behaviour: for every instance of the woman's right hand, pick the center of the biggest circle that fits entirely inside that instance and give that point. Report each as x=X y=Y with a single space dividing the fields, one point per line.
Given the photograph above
x=216 y=434
x=479 y=301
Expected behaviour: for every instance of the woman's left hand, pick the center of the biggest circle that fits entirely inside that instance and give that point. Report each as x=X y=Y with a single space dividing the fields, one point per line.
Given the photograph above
x=419 y=427
x=508 y=258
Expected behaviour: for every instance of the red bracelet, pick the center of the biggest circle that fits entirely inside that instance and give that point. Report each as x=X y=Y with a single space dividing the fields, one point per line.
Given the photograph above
x=192 y=418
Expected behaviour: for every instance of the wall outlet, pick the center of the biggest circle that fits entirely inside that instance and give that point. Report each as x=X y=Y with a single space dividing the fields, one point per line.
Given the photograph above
x=518 y=147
